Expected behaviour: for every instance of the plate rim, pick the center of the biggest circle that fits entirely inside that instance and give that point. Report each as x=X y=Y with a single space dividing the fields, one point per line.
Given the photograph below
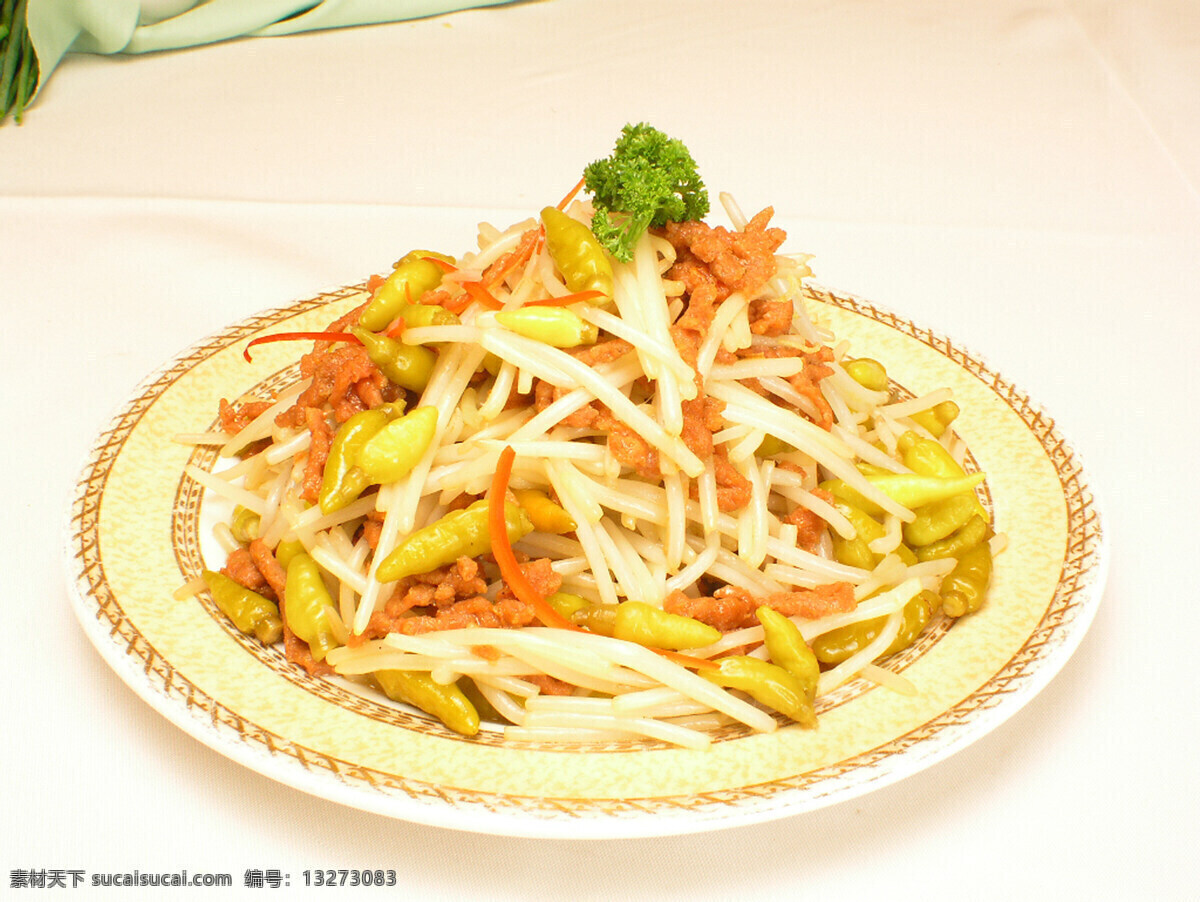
x=214 y=725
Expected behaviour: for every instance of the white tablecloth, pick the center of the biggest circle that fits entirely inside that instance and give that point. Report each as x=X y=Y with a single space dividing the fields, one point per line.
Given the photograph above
x=1022 y=175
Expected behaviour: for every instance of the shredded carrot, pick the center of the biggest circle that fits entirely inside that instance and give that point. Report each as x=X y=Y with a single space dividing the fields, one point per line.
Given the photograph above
x=298 y=336
x=502 y=551
x=506 y=265
x=690 y=661
x=374 y=282
x=566 y=299
x=479 y=293
x=511 y=572
x=456 y=304
x=562 y=204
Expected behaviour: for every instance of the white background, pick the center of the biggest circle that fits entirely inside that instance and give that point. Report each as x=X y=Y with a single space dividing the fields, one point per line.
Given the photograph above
x=1020 y=174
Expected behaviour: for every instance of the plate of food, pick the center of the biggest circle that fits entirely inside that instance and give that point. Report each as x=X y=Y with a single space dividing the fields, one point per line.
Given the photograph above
x=616 y=524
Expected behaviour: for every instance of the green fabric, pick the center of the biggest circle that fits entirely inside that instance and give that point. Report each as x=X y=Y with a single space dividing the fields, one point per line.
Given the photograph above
x=58 y=27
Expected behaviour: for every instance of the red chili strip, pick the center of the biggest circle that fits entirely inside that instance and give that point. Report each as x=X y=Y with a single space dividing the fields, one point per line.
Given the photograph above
x=298 y=336
x=566 y=299
x=502 y=551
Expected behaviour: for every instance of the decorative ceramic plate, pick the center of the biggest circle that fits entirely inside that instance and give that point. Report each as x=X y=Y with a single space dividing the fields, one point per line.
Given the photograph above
x=139 y=530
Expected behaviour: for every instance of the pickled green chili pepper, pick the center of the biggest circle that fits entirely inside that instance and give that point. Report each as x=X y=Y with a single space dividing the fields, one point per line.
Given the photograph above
x=964 y=588
x=343 y=480
x=765 y=682
x=936 y=418
x=459 y=533
x=856 y=552
x=417 y=315
x=871 y=469
x=925 y=456
x=933 y=522
x=868 y=373
x=566 y=603
x=577 y=254
x=911 y=490
x=479 y=701
x=653 y=627
x=558 y=327
x=930 y=458
x=598 y=618
x=491 y=364
x=545 y=515
x=408 y=366
x=914 y=490
x=285 y=551
x=244 y=524
x=771 y=445
x=445 y=702
x=395 y=449
x=787 y=648
x=954 y=545
x=412 y=277
x=250 y=612
x=305 y=600
x=837 y=645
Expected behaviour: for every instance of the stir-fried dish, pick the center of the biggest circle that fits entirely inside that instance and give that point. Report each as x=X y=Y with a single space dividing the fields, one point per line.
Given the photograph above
x=606 y=476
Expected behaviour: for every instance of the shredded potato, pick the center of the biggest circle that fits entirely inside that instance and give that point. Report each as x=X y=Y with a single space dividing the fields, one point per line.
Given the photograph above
x=699 y=454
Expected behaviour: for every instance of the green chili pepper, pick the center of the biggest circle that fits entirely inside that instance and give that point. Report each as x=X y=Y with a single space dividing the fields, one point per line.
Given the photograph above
x=395 y=449
x=954 y=545
x=285 y=551
x=567 y=604
x=412 y=277
x=771 y=446
x=417 y=315
x=599 y=618
x=447 y=703
x=558 y=327
x=577 y=254
x=459 y=533
x=408 y=366
x=786 y=646
x=936 y=418
x=653 y=627
x=491 y=364
x=856 y=552
x=837 y=645
x=545 y=515
x=765 y=682
x=305 y=600
x=933 y=522
x=912 y=490
x=929 y=458
x=964 y=588
x=868 y=373
x=344 y=480
x=244 y=524
x=250 y=612
x=871 y=469
x=479 y=701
